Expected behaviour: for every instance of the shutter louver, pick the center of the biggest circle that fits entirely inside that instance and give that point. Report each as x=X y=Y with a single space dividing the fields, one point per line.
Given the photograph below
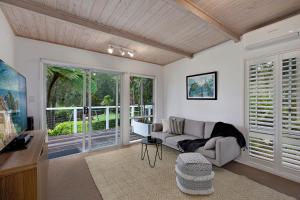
x=261 y=110
x=291 y=113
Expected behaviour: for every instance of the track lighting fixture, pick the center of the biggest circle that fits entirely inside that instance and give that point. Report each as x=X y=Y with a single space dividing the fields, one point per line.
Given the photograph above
x=122 y=50
x=110 y=49
x=130 y=53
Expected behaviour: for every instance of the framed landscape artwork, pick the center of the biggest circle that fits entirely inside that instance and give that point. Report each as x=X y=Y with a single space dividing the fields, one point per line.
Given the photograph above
x=202 y=86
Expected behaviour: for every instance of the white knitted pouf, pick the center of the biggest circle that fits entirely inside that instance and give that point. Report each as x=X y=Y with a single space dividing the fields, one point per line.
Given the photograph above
x=194 y=174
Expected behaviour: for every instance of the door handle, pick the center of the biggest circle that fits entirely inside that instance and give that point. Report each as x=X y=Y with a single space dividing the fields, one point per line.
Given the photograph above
x=86 y=110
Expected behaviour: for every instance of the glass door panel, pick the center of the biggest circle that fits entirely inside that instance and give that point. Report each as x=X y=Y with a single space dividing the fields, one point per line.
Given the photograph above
x=141 y=106
x=104 y=116
x=83 y=110
x=64 y=111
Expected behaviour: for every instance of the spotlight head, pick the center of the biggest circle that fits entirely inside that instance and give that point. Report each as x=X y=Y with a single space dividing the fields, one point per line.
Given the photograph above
x=110 y=50
x=122 y=52
x=130 y=53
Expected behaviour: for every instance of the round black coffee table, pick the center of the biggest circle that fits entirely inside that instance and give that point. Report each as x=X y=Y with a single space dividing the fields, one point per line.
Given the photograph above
x=154 y=141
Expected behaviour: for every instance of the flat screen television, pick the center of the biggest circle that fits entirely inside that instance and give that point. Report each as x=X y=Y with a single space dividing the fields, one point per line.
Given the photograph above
x=13 y=104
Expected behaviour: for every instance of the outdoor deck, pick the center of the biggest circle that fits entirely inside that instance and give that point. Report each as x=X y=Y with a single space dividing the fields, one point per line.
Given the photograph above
x=69 y=144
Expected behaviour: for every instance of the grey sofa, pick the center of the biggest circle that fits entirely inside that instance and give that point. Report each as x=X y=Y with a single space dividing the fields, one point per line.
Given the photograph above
x=226 y=150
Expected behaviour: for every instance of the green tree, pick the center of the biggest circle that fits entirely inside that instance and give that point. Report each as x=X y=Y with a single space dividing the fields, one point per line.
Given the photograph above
x=65 y=86
x=141 y=87
x=54 y=74
x=107 y=101
x=106 y=85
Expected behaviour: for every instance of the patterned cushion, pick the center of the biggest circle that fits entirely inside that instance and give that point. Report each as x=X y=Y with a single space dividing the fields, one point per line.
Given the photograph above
x=194 y=174
x=176 y=125
x=193 y=164
x=195 y=185
x=192 y=158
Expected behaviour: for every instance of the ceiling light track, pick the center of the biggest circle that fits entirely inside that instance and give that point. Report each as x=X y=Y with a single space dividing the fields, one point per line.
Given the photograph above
x=121 y=50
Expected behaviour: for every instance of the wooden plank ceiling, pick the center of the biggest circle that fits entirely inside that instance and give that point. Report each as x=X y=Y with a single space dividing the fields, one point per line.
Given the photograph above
x=242 y=16
x=161 y=21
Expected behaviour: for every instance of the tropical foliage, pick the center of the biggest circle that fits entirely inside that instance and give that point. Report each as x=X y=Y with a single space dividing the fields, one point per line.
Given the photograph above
x=65 y=89
x=67 y=127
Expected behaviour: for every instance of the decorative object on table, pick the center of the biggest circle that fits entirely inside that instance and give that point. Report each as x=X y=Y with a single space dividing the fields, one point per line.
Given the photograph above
x=202 y=86
x=154 y=141
x=194 y=174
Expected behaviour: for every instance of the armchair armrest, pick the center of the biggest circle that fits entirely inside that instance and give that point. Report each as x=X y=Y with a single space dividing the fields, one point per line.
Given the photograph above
x=157 y=127
x=227 y=149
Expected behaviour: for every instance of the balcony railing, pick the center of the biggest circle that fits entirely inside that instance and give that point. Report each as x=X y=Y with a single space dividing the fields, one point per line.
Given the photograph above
x=76 y=113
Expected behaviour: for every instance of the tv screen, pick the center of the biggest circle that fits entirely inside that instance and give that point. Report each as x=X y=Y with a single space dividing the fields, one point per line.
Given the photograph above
x=13 y=104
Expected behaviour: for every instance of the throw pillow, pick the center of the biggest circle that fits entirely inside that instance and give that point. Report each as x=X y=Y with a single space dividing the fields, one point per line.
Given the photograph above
x=211 y=144
x=166 y=125
x=157 y=127
x=176 y=126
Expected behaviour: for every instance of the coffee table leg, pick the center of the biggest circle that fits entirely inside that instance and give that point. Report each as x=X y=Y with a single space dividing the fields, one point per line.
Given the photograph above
x=156 y=153
x=159 y=154
x=144 y=152
x=160 y=151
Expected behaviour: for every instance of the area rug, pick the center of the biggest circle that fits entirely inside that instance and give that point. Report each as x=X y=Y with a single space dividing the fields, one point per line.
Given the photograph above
x=122 y=175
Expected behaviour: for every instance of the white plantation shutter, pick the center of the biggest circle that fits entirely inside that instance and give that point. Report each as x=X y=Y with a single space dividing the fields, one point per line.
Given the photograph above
x=261 y=89
x=290 y=155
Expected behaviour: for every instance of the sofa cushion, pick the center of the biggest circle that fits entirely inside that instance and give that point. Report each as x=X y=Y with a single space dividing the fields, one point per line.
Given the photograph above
x=211 y=153
x=211 y=143
x=176 y=126
x=161 y=135
x=166 y=125
x=174 y=117
x=208 y=128
x=173 y=140
x=195 y=128
x=156 y=127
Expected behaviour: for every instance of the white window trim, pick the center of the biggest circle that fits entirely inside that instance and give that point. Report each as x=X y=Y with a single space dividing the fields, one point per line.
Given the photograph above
x=273 y=167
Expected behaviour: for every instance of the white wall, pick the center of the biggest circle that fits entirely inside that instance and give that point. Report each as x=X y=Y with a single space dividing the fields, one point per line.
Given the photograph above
x=228 y=60
x=30 y=52
x=7 y=41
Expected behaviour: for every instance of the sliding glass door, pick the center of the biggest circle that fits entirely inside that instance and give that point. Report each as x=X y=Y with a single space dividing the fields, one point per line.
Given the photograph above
x=141 y=106
x=104 y=115
x=83 y=111
x=64 y=112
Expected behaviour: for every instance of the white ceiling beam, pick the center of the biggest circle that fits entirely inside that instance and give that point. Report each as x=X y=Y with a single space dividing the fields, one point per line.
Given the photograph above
x=58 y=14
x=194 y=8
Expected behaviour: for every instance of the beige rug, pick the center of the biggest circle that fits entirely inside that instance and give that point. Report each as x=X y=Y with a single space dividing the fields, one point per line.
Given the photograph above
x=122 y=175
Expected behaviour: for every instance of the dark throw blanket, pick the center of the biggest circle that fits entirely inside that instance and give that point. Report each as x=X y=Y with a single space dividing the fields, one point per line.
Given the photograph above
x=220 y=129
x=191 y=145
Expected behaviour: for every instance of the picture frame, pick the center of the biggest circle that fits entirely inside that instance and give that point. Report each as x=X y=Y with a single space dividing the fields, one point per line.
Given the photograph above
x=202 y=86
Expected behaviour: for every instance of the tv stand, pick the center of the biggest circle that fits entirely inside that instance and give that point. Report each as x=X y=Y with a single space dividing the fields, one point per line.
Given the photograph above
x=23 y=174
x=19 y=143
